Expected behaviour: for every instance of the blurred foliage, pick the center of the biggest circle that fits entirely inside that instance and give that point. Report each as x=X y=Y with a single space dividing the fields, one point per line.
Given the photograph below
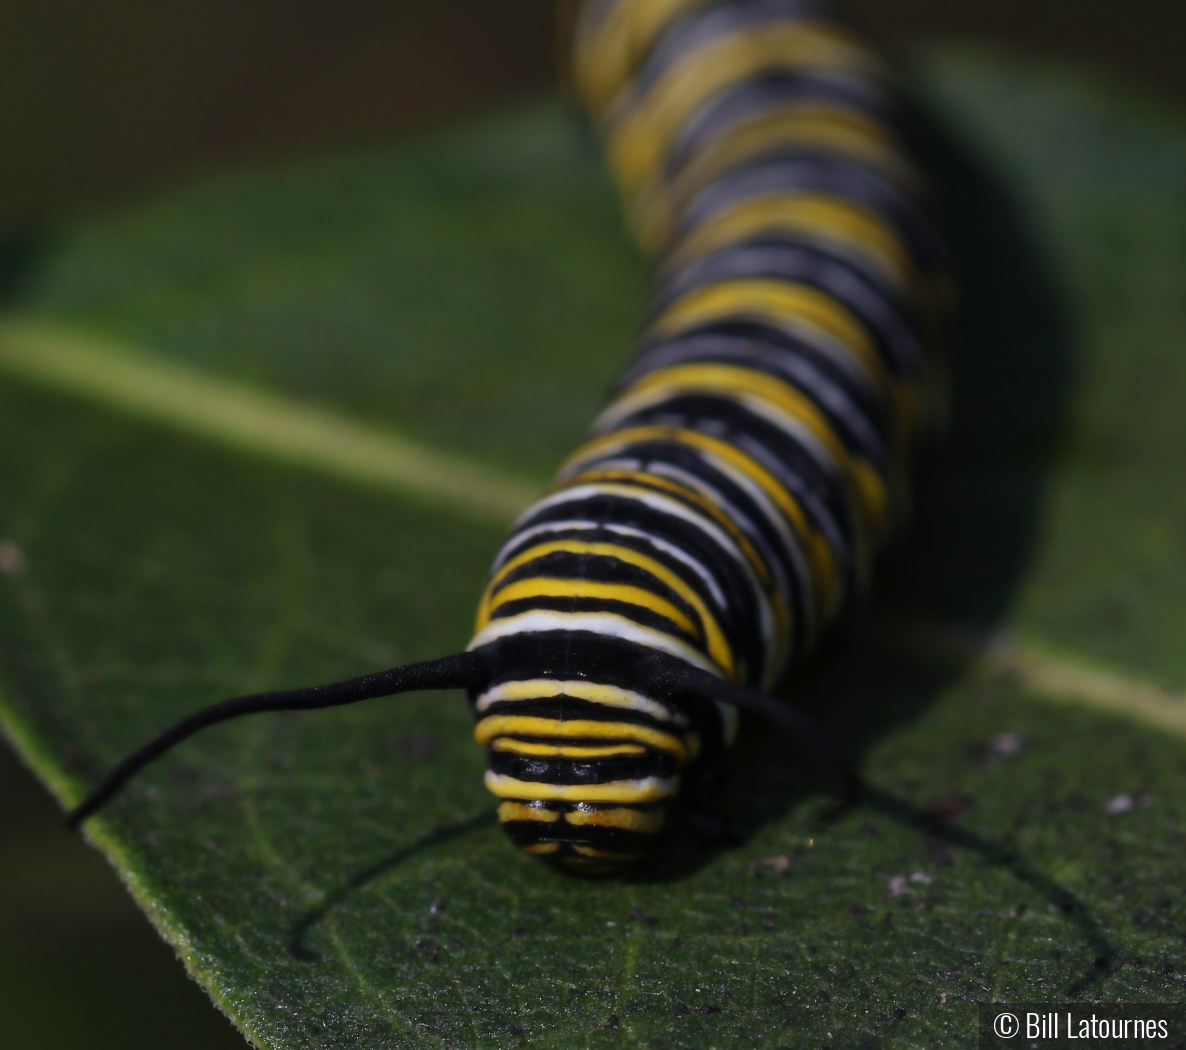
x=336 y=879
x=98 y=99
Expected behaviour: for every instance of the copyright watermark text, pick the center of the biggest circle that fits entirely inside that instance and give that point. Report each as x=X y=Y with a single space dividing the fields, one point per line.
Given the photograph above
x=1043 y=1026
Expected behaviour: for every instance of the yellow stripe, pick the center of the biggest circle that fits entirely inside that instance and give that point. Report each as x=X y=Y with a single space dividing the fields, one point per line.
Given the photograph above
x=738 y=379
x=833 y=219
x=577 y=729
x=508 y=811
x=783 y=301
x=548 y=587
x=826 y=128
x=525 y=747
x=254 y=421
x=639 y=140
x=816 y=548
x=654 y=481
x=715 y=641
x=541 y=849
x=650 y=789
x=646 y=821
x=732 y=379
x=606 y=57
x=778 y=605
x=594 y=692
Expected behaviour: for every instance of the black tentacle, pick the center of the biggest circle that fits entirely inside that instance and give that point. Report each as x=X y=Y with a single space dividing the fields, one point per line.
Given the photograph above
x=465 y=670
x=709 y=687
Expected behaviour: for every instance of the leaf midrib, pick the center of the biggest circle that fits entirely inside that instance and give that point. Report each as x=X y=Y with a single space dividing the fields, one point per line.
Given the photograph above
x=130 y=380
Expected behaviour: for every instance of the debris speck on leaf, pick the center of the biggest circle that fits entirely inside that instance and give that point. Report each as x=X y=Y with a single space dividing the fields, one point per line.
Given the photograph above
x=1007 y=745
x=12 y=559
x=778 y=864
x=1126 y=803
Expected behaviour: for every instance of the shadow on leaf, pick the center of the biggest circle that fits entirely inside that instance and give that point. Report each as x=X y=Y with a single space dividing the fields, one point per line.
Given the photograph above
x=978 y=503
x=299 y=947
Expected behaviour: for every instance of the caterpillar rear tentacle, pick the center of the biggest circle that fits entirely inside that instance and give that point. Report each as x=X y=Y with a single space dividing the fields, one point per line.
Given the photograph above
x=755 y=456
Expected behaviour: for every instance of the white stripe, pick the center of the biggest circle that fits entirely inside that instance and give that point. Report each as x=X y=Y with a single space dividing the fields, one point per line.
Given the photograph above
x=608 y=625
x=668 y=504
x=545 y=688
x=777 y=647
x=813 y=506
x=647 y=789
x=771 y=512
x=683 y=557
x=832 y=345
x=732 y=512
x=798 y=430
x=672 y=551
x=655 y=501
x=775 y=415
x=850 y=361
x=774 y=516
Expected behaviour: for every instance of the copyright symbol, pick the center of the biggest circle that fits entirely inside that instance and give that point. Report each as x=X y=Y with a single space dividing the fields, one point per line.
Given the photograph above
x=1006 y=1026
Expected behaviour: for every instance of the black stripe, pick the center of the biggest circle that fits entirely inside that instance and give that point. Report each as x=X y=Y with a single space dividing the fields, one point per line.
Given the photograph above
x=653 y=455
x=820 y=491
x=739 y=618
x=773 y=91
x=883 y=312
x=605 y=660
x=858 y=421
x=586 y=771
x=799 y=172
x=613 y=840
x=638 y=614
x=702 y=27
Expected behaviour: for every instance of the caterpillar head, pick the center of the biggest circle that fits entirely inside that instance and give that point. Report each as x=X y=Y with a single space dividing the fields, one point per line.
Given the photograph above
x=585 y=771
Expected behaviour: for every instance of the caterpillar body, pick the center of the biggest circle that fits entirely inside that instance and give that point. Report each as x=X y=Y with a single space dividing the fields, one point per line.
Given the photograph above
x=732 y=496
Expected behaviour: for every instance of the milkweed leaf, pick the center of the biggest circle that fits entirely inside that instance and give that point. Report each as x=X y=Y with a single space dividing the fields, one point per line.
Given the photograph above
x=336 y=879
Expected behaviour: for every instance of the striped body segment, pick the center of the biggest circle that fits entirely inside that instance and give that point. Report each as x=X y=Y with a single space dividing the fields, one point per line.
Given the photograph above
x=732 y=496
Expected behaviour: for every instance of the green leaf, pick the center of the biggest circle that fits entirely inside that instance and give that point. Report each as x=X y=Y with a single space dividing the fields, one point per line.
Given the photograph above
x=452 y=308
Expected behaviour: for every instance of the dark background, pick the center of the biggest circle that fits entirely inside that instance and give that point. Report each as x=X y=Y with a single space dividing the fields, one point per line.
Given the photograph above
x=99 y=100
x=99 y=96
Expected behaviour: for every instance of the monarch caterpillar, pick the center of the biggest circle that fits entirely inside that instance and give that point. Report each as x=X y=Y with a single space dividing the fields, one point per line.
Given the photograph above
x=732 y=496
